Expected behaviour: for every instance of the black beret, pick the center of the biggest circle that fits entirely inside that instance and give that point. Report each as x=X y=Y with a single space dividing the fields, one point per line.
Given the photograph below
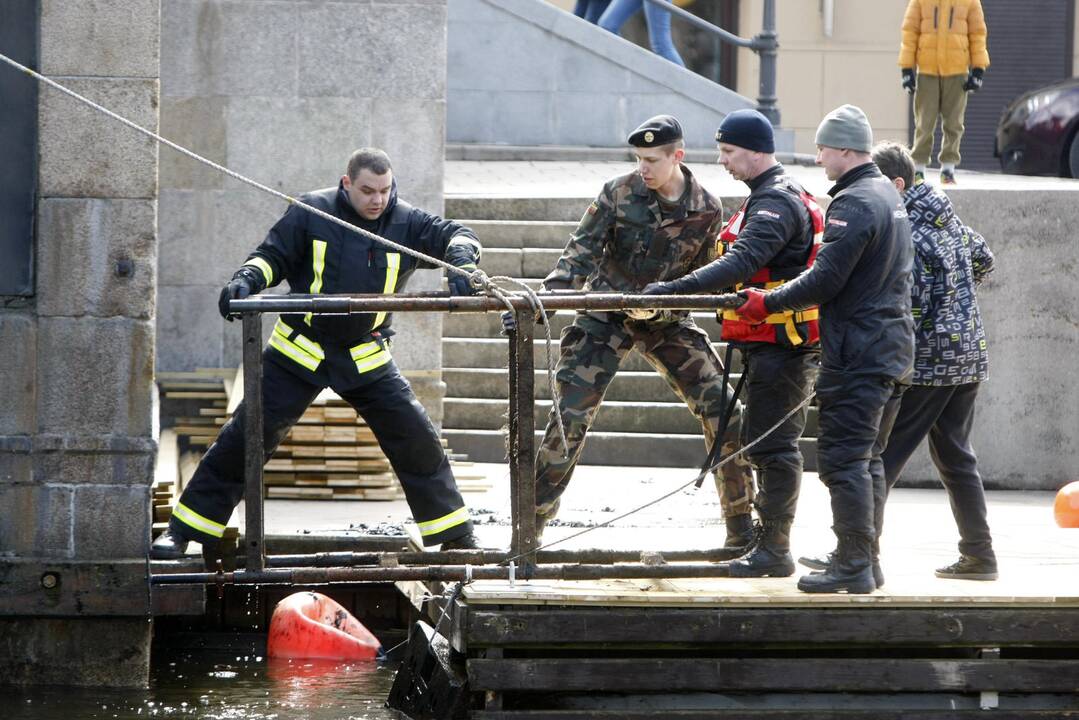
x=660 y=130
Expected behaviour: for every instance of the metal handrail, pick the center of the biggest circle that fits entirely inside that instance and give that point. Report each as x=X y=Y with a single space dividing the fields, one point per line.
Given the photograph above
x=765 y=44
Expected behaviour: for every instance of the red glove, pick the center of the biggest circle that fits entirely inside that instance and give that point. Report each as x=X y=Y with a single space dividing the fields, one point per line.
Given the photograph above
x=753 y=308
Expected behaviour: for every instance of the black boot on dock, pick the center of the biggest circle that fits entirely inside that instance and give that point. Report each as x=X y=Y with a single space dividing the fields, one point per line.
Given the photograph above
x=740 y=536
x=769 y=555
x=169 y=545
x=851 y=571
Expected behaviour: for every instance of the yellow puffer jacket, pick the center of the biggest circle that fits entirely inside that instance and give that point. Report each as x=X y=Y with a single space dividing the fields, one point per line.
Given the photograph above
x=944 y=37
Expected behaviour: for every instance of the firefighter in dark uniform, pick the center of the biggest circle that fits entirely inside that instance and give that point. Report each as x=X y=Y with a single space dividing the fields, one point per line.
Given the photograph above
x=349 y=353
x=861 y=280
x=770 y=240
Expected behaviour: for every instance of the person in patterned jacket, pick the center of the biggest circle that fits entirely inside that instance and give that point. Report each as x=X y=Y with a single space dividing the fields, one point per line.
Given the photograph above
x=950 y=359
x=656 y=223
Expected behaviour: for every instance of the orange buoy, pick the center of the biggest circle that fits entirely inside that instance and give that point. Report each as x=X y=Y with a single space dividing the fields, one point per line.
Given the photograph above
x=311 y=625
x=1066 y=506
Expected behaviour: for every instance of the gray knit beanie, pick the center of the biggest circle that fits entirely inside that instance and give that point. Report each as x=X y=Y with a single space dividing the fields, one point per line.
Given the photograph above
x=846 y=127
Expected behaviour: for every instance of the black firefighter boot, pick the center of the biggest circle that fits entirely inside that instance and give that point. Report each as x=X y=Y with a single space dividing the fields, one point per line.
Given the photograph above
x=770 y=554
x=740 y=536
x=851 y=569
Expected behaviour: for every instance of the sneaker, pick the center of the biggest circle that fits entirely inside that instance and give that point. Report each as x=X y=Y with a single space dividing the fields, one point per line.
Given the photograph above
x=919 y=177
x=947 y=177
x=969 y=568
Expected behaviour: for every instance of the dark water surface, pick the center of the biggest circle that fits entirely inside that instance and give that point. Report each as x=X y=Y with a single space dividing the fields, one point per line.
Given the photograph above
x=221 y=687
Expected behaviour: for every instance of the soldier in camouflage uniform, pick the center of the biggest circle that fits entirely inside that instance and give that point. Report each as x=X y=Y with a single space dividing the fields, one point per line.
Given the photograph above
x=656 y=223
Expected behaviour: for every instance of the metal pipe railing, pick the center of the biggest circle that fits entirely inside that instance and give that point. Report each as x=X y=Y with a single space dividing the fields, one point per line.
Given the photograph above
x=522 y=433
x=765 y=44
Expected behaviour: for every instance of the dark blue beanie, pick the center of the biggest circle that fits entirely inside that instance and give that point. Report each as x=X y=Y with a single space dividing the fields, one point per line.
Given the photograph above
x=748 y=129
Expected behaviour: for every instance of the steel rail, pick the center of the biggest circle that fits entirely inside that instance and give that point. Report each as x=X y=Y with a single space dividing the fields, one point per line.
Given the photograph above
x=486 y=557
x=444 y=573
x=347 y=304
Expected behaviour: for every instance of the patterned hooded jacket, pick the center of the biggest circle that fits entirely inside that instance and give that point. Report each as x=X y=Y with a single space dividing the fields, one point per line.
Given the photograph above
x=950 y=259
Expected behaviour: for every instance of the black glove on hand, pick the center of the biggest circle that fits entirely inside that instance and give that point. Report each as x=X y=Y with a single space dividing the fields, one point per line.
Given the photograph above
x=246 y=281
x=974 y=80
x=459 y=284
x=658 y=288
x=909 y=81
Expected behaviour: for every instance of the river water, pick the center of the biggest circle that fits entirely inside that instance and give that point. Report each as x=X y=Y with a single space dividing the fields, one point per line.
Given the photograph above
x=221 y=687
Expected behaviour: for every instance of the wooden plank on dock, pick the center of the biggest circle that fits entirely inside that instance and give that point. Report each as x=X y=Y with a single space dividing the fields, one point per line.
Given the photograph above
x=806 y=713
x=772 y=675
x=944 y=626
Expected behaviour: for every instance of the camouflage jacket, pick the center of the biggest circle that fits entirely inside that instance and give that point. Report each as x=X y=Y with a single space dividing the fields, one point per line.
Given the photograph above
x=624 y=241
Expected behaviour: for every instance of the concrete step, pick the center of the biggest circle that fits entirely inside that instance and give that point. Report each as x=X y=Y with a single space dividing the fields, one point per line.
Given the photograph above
x=613 y=415
x=489 y=325
x=611 y=448
x=518 y=209
x=634 y=416
x=552 y=234
x=494 y=353
x=519 y=262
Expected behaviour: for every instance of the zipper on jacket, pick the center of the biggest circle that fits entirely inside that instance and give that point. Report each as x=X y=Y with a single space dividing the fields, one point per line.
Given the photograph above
x=951 y=16
x=936 y=24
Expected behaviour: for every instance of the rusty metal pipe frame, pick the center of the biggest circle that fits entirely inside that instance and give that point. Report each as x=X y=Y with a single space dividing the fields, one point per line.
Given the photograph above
x=522 y=403
x=444 y=573
x=346 y=304
x=485 y=557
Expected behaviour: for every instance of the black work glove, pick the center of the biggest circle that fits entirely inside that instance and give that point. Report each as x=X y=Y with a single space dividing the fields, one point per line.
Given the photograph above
x=909 y=82
x=509 y=320
x=974 y=80
x=658 y=288
x=246 y=281
x=460 y=284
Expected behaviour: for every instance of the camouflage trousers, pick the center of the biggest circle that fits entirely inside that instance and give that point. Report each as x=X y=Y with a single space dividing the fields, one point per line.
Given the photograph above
x=592 y=351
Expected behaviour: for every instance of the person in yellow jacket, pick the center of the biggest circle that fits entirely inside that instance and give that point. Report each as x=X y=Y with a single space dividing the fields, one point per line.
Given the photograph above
x=942 y=57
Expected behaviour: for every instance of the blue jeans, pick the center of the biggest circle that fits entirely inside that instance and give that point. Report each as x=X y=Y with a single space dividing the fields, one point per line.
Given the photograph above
x=658 y=20
x=590 y=10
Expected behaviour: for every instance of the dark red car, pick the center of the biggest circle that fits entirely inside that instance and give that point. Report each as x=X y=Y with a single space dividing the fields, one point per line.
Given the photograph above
x=1037 y=134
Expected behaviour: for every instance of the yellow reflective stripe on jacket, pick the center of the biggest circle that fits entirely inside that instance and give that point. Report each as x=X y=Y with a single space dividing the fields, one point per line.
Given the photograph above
x=302 y=350
x=393 y=269
x=192 y=519
x=433 y=527
x=779 y=318
x=318 y=265
x=263 y=267
x=369 y=355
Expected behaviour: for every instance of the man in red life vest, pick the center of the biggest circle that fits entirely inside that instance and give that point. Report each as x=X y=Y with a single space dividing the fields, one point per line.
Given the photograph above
x=770 y=240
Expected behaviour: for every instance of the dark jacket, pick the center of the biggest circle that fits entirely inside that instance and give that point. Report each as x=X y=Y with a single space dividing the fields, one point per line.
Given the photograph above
x=317 y=256
x=861 y=279
x=949 y=259
x=777 y=232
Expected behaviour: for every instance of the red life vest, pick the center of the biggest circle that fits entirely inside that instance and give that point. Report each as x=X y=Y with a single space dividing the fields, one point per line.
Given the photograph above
x=786 y=327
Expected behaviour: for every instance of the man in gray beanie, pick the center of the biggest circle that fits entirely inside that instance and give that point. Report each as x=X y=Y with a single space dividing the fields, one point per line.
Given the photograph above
x=861 y=280
x=771 y=239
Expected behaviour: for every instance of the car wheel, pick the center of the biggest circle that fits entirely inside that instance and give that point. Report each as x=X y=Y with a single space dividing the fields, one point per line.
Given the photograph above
x=1073 y=156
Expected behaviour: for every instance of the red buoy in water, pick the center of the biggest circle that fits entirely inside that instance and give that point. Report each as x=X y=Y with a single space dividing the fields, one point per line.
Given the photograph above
x=311 y=625
x=1066 y=506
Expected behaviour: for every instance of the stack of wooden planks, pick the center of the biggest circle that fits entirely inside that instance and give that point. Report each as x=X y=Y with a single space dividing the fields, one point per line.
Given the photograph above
x=330 y=453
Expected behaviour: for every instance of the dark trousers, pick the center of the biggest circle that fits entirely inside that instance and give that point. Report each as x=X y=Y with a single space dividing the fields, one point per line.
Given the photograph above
x=777 y=379
x=399 y=422
x=856 y=417
x=945 y=415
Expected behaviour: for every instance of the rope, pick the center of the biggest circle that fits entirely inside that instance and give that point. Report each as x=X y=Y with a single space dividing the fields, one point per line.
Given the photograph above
x=476 y=278
x=716 y=466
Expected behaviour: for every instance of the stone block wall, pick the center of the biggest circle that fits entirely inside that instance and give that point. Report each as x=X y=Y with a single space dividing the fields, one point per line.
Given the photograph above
x=283 y=92
x=77 y=443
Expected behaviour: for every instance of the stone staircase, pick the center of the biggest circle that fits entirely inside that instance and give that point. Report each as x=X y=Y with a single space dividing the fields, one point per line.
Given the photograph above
x=641 y=422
